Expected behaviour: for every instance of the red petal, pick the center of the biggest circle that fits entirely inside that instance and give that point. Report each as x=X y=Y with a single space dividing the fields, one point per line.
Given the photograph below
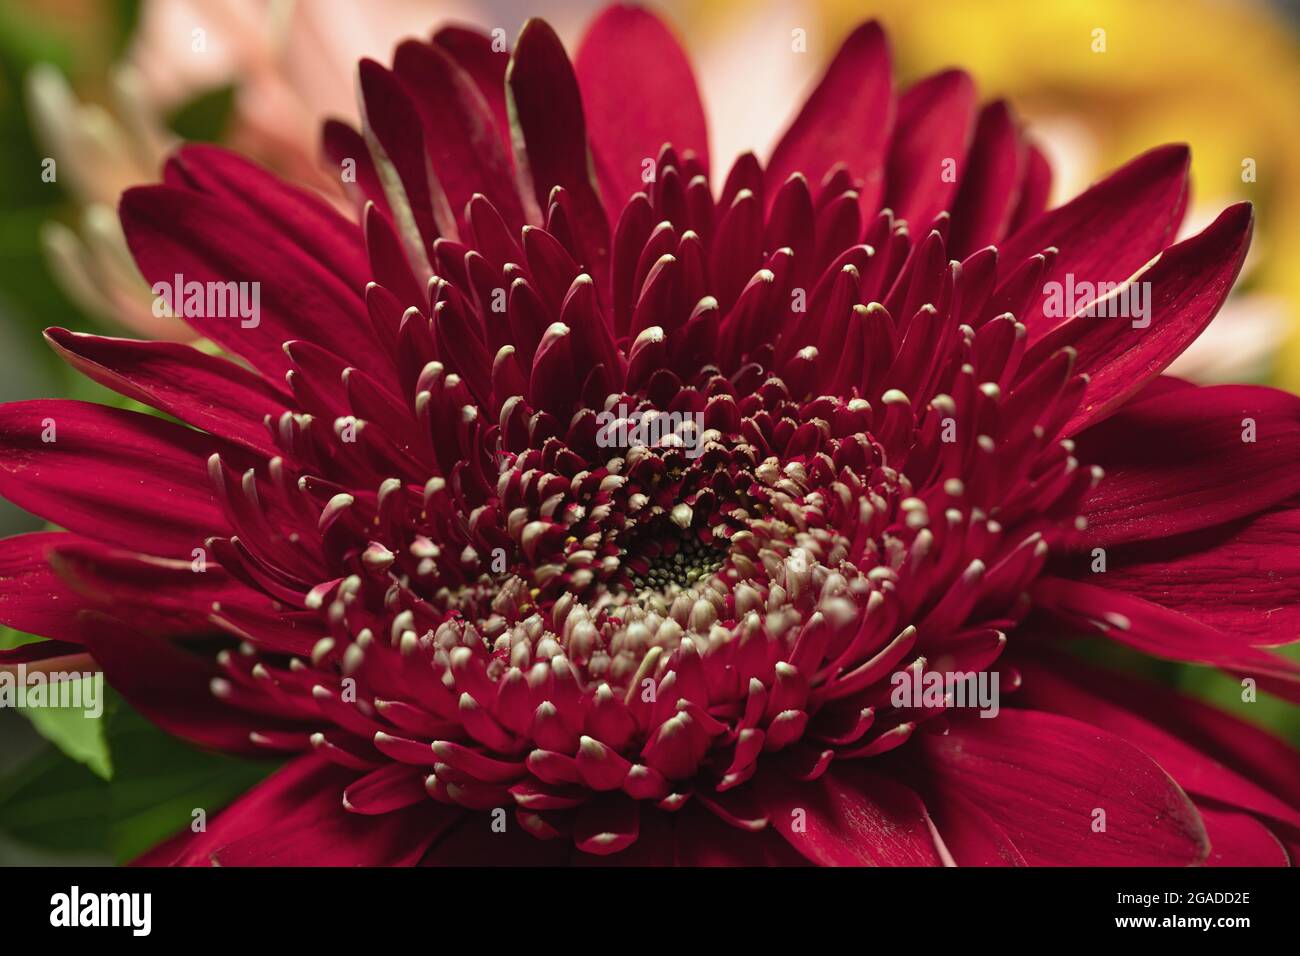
x=550 y=136
x=1034 y=190
x=170 y=686
x=391 y=787
x=201 y=238
x=476 y=842
x=460 y=134
x=990 y=183
x=1205 y=750
x=1107 y=233
x=630 y=119
x=1177 y=463
x=1238 y=839
x=274 y=799
x=390 y=262
x=160 y=596
x=606 y=825
x=935 y=122
x=311 y=223
x=32 y=597
x=473 y=53
x=970 y=834
x=320 y=832
x=1187 y=285
x=1161 y=632
x=701 y=839
x=341 y=143
x=202 y=390
x=1041 y=777
x=1158 y=386
x=51 y=655
x=394 y=135
x=120 y=477
x=850 y=817
x=1242 y=579
x=848 y=118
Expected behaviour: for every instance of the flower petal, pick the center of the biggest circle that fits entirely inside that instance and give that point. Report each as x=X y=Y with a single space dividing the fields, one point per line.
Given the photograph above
x=314 y=226
x=1034 y=190
x=629 y=119
x=160 y=596
x=848 y=118
x=1242 y=578
x=473 y=52
x=460 y=135
x=171 y=687
x=1178 y=462
x=1162 y=632
x=701 y=838
x=395 y=137
x=1202 y=748
x=1238 y=839
x=936 y=119
x=850 y=817
x=32 y=597
x=175 y=232
x=990 y=183
x=391 y=787
x=116 y=476
x=970 y=834
x=1108 y=232
x=279 y=797
x=606 y=825
x=202 y=390
x=341 y=145
x=1185 y=287
x=550 y=137
x=320 y=832
x=1042 y=777
x=474 y=843
x=47 y=656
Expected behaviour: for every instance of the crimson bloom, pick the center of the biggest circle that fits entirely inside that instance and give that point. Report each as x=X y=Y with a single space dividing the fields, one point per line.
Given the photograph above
x=583 y=503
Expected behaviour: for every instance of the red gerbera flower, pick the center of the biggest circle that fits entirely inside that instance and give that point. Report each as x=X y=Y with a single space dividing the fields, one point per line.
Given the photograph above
x=583 y=501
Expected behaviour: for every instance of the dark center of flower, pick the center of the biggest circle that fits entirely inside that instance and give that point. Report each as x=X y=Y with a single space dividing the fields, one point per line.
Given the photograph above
x=674 y=564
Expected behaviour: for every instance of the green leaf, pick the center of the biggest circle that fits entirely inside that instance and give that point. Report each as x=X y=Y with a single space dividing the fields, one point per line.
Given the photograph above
x=72 y=730
x=55 y=803
x=79 y=736
x=205 y=117
x=9 y=638
x=158 y=782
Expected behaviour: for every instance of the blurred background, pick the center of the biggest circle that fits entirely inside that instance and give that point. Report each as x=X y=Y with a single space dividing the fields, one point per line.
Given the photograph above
x=93 y=93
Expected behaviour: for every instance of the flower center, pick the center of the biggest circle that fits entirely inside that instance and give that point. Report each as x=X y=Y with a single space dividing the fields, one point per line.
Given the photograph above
x=673 y=565
x=691 y=543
